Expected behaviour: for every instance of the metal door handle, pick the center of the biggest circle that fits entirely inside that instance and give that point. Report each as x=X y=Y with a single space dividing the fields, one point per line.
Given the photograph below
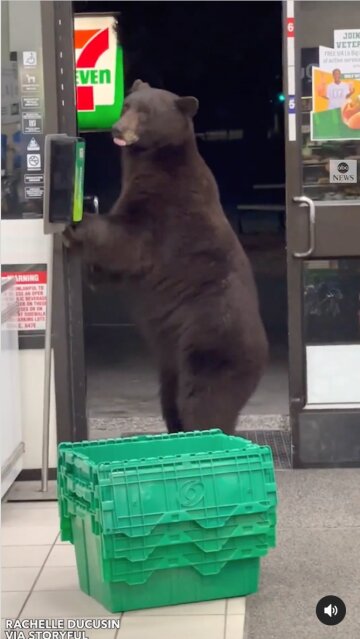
x=91 y=204
x=302 y=199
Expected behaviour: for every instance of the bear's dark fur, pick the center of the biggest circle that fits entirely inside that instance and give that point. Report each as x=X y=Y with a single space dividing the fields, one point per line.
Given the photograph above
x=169 y=241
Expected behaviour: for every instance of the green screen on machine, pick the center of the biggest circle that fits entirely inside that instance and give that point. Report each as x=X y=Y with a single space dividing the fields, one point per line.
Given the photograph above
x=65 y=179
x=79 y=181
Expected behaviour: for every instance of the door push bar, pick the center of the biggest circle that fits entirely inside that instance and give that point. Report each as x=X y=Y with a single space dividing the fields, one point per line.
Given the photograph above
x=306 y=201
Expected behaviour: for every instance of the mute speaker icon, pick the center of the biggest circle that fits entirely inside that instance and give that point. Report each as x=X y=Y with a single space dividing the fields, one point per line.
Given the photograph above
x=331 y=610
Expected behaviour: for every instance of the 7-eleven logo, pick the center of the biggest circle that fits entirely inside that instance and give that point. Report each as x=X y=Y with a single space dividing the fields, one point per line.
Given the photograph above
x=95 y=54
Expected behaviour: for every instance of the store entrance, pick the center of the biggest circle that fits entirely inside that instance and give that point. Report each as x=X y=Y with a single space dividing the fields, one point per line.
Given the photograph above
x=215 y=52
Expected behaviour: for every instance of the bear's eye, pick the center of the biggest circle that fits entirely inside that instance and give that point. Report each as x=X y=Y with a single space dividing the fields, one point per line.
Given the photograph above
x=144 y=109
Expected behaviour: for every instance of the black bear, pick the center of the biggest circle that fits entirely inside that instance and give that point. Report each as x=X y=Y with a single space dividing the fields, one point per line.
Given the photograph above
x=167 y=238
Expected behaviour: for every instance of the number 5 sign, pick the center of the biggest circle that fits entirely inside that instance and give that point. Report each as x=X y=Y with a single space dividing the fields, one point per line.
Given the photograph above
x=290 y=28
x=291 y=104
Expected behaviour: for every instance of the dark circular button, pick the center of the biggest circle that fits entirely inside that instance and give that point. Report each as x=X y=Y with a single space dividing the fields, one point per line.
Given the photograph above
x=331 y=610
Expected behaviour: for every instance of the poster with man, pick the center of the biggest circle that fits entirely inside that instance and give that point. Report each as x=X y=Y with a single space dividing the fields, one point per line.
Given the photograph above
x=336 y=89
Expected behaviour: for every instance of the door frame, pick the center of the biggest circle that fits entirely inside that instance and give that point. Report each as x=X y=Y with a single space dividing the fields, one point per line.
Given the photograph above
x=296 y=353
x=340 y=426
x=68 y=328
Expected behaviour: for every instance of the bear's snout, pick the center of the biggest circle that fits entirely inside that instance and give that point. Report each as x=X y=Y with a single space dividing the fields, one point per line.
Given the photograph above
x=124 y=136
x=124 y=131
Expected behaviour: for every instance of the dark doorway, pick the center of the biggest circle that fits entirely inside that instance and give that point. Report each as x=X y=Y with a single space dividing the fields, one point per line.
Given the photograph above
x=229 y=56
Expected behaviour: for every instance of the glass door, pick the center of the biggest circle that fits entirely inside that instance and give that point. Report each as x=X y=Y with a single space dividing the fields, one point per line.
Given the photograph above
x=38 y=98
x=322 y=82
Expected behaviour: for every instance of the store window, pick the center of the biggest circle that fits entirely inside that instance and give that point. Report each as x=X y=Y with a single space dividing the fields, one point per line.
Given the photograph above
x=330 y=120
x=332 y=331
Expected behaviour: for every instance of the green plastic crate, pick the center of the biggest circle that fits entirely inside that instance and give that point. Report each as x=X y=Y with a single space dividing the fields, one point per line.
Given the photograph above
x=151 y=506
x=163 y=587
x=131 y=568
x=222 y=478
x=209 y=563
x=118 y=546
x=82 y=462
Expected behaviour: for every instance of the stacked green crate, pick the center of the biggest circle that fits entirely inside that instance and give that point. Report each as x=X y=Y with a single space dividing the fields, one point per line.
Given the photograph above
x=167 y=519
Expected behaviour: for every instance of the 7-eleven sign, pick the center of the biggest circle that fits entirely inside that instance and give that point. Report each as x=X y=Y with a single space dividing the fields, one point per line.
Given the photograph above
x=99 y=71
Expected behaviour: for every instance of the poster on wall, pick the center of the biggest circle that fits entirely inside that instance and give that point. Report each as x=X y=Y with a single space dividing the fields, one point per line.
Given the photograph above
x=30 y=288
x=336 y=89
x=99 y=71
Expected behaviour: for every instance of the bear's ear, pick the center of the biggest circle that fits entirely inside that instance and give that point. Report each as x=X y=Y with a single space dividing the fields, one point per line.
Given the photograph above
x=139 y=84
x=189 y=105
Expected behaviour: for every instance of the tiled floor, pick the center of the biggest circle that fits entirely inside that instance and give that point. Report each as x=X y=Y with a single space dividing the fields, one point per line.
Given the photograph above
x=39 y=581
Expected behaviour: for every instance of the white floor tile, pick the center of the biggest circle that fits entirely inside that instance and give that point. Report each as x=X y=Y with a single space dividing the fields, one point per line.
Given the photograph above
x=62 y=604
x=61 y=543
x=20 y=579
x=201 y=627
x=58 y=578
x=15 y=556
x=235 y=627
x=62 y=555
x=56 y=592
x=236 y=606
x=30 y=505
x=11 y=604
x=197 y=609
x=19 y=535
x=12 y=514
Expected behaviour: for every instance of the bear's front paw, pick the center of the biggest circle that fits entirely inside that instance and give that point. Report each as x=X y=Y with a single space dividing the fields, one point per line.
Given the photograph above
x=69 y=237
x=76 y=235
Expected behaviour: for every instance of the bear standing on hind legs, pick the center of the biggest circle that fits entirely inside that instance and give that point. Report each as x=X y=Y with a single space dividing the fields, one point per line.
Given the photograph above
x=169 y=241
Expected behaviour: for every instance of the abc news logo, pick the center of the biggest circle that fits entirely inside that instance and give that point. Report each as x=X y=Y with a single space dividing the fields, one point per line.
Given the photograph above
x=331 y=610
x=343 y=167
x=342 y=171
